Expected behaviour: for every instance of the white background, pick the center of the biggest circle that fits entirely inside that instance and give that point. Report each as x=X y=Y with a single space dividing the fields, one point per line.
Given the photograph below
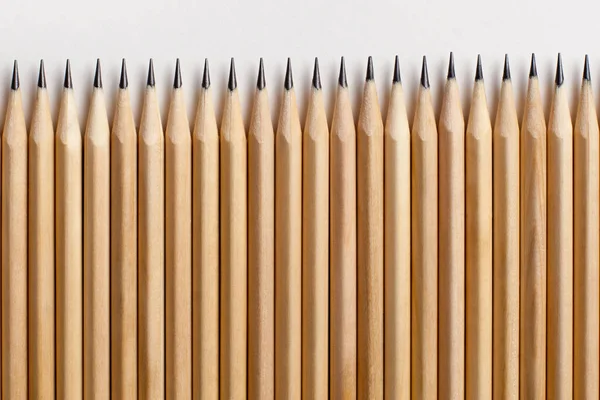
x=301 y=29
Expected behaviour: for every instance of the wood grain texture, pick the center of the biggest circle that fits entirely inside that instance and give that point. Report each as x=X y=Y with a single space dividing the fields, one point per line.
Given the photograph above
x=586 y=236
x=41 y=250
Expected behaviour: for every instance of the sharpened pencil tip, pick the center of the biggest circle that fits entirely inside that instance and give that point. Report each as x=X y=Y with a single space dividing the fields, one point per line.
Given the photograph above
x=451 y=71
x=587 y=75
x=370 y=72
x=506 y=73
x=206 y=75
x=16 y=83
x=124 y=81
x=151 y=81
x=98 y=75
x=343 y=82
x=289 y=81
x=42 y=76
x=232 y=84
x=560 y=77
x=316 y=79
x=479 y=69
x=68 y=83
x=533 y=67
x=177 y=82
x=396 y=78
x=424 y=74
x=261 y=82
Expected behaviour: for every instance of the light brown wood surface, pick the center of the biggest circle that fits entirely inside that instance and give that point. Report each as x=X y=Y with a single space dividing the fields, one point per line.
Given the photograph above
x=234 y=272
x=451 y=246
x=479 y=255
x=315 y=250
x=69 y=250
x=151 y=250
x=14 y=250
x=205 y=251
x=261 y=250
x=370 y=245
x=397 y=248
x=342 y=247
x=41 y=250
x=424 y=246
x=559 y=366
x=288 y=254
x=533 y=247
x=123 y=248
x=96 y=251
x=586 y=364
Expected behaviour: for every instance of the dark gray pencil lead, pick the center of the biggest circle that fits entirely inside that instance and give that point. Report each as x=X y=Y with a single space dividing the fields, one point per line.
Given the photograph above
x=506 y=73
x=396 y=78
x=533 y=67
x=424 y=74
x=206 y=75
x=586 y=69
x=560 y=76
x=151 y=81
x=42 y=76
x=289 y=81
x=98 y=75
x=451 y=71
x=479 y=69
x=316 y=79
x=177 y=82
x=68 y=83
x=232 y=84
x=370 y=72
x=261 y=82
x=124 y=81
x=343 y=82
x=16 y=82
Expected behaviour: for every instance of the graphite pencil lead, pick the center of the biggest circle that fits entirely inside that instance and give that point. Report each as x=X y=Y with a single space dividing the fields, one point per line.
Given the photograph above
x=533 y=67
x=506 y=73
x=424 y=74
x=289 y=81
x=560 y=77
x=316 y=79
x=451 y=71
x=370 y=72
x=16 y=83
x=206 y=75
x=177 y=79
x=42 y=76
x=124 y=81
x=232 y=84
x=396 y=78
x=68 y=83
x=586 y=69
x=261 y=82
x=151 y=81
x=342 y=78
x=479 y=69
x=98 y=75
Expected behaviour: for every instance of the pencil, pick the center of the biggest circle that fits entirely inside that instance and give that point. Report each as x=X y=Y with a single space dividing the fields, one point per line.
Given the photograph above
x=96 y=247
x=14 y=246
x=261 y=246
x=41 y=246
x=151 y=246
x=560 y=244
x=205 y=252
x=288 y=242
x=506 y=243
x=586 y=227
x=69 y=247
x=479 y=303
x=370 y=242
x=342 y=244
x=424 y=240
x=533 y=244
x=315 y=245
x=451 y=247
x=123 y=246
x=397 y=244
x=178 y=211
x=234 y=269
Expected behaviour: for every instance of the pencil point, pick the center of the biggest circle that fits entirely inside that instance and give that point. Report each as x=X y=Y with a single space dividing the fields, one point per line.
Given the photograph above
x=289 y=81
x=560 y=77
x=123 y=82
x=316 y=80
x=479 y=69
x=451 y=71
x=424 y=74
x=68 y=83
x=261 y=82
x=206 y=75
x=151 y=82
x=533 y=68
x=342 y=78
x=586 y=69
x=177 y=80
x=370 y=73
x=98 y=75
x=42 y=76
x=506 y=74
x=396 y=78
x=14 y=85
x=232 y=84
